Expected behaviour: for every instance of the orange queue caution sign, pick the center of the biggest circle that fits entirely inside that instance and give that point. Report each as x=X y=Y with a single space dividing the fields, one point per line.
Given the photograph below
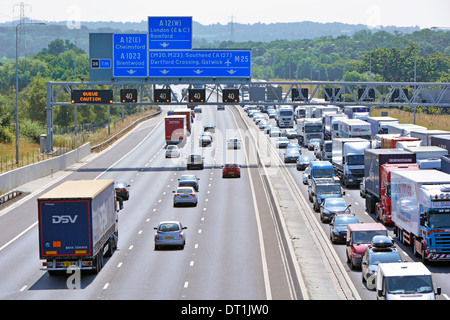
x=92 y=96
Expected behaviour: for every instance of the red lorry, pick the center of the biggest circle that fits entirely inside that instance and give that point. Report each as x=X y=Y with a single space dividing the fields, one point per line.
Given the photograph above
x=175 y=129
x=390 y=142
x=189 y=116
x=383 y=207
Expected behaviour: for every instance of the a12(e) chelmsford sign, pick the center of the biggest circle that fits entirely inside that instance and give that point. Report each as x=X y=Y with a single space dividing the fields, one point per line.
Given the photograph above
x=130 y=55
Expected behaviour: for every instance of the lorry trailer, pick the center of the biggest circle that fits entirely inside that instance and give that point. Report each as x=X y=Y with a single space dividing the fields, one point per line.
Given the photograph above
x=379 y=124
x=421 y=212
x=441 y=141
x=425 y=135
x=354 y=128
x=78 y=225
x=175 y=129
x=373 y=160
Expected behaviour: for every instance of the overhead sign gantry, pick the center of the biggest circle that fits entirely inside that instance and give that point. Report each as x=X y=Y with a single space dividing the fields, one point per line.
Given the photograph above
x=165 y=52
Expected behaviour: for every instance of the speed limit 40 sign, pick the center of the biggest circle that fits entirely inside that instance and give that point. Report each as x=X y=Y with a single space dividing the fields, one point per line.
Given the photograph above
x=230 y=95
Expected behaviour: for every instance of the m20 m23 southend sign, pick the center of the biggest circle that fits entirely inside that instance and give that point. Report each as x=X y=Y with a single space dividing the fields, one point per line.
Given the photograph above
x=200 y=63
x=130 y=55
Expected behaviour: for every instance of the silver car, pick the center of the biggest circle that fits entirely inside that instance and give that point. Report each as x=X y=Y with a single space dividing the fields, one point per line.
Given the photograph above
x=170 y=233
x=185 y=195
x=172 y=151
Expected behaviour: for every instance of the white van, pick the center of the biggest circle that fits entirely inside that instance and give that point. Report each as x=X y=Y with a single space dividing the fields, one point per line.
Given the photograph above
x=405 y=281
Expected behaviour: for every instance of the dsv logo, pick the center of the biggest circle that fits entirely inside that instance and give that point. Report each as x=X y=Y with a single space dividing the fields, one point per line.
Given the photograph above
x=64 y=219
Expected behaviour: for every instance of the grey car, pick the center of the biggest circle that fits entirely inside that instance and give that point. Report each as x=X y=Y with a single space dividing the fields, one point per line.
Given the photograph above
x=382 y=250
x=170 y=233
x=303 y=161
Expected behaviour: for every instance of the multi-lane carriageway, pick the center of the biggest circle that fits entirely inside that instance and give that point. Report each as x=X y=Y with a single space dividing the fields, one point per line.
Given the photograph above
x=251 y=238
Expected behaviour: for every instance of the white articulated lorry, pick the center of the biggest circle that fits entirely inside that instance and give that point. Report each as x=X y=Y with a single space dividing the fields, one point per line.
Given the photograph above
x=285 y=117
x=348 y=159
x=309 y=128
x=421 y=212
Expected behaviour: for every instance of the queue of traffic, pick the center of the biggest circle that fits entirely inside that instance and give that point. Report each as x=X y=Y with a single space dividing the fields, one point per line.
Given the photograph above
x=412 y=196
x=402 y=171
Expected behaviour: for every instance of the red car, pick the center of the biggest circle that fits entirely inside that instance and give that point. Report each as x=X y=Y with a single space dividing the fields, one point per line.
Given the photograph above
x=231 y=170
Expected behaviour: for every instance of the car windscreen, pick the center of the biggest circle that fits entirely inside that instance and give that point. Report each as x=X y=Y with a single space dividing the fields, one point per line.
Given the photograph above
x=377 y=257
x=409 y=284
x=355 y=160
x=169 y=227
x=340 y=220
x=323 y=172
x=328 y=188
x=366 y=236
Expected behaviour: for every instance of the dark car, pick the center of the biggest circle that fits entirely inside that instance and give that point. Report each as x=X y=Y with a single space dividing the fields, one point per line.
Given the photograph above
x=291 y=155
x=338 y=226
x=209 y=127
x=122 y=190
x=303 y=161
x=195 y=161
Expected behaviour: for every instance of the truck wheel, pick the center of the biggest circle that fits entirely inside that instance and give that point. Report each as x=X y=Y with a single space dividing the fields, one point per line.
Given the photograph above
x=99 y=262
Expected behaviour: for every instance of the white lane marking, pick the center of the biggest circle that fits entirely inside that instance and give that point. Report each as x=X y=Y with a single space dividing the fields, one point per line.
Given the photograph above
x=64 y=176
x=18 y=236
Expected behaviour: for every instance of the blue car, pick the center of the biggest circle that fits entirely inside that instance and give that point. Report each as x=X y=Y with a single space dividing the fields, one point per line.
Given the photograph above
x=170 y=233
x=338 y=226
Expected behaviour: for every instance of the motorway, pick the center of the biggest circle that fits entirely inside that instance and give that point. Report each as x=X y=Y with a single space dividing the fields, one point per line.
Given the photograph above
x=234 y=249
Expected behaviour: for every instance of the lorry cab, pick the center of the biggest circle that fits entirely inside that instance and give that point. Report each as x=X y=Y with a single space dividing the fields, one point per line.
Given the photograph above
x=359 y=236
x=321 y=169
x=405 y=281
x=321 y=188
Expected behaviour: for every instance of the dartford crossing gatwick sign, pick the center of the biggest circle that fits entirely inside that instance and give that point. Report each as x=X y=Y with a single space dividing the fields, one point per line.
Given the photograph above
x=200 y=63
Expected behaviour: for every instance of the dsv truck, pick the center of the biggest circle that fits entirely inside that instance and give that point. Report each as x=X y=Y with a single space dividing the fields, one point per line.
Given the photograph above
x=78 y=225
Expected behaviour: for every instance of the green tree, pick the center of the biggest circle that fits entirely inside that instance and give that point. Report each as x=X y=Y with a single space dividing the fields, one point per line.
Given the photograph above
x=37 y=100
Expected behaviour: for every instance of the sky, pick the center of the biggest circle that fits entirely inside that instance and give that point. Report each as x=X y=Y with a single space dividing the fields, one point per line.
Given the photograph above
x=373 y=13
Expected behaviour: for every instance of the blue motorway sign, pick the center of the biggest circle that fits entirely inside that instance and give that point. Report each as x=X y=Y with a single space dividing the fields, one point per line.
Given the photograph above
x=170 y=33
x=200 y=63
x=130 y=55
